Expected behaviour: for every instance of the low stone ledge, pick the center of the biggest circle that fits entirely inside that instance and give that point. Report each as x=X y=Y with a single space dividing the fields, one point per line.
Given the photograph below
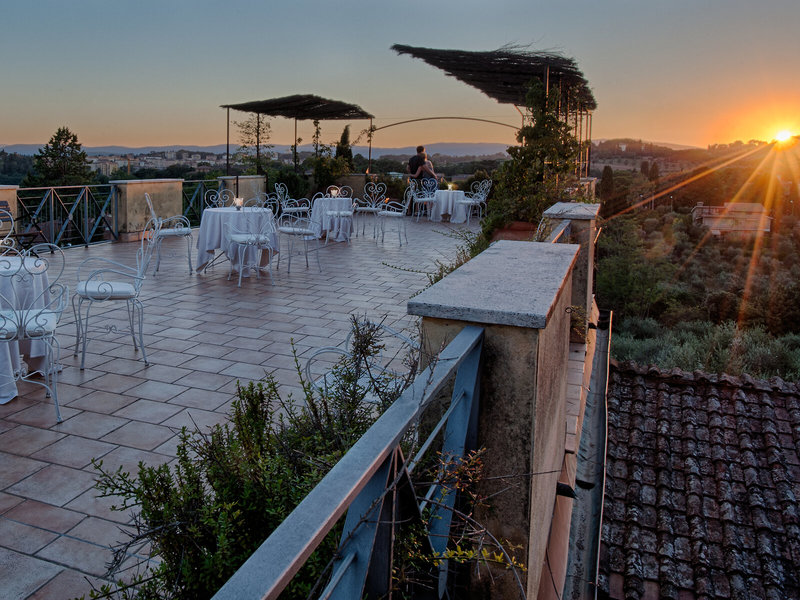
x=509 y=283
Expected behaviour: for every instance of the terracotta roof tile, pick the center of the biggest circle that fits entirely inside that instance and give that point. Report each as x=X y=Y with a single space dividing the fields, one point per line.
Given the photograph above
x=702 y=486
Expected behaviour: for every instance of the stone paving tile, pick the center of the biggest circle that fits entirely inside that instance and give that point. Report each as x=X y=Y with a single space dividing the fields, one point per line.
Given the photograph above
x=45 y=516
x=91 y=425
x=54 y=485
x=41 y=414
x=204 y=399
x=89 y=503
x=156 y=390
x=7 y=502
x=22 y=575
x=204 y=381
x=82 y=556
x=129 y=458
x=25 y=440
x=23 y=538
x=136 y=434
x=17 y=468
x=101 y=402
x=148 y=411
x=73 y=451
x=67 y=584
x=114 y=382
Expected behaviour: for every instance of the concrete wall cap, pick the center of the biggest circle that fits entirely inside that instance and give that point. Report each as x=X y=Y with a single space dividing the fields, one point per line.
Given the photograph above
x=509 y=283
x=142 y=181
x=9 y=187
x=572 y=210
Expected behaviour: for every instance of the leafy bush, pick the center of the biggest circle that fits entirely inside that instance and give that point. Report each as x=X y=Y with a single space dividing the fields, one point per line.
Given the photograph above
x=229 y=489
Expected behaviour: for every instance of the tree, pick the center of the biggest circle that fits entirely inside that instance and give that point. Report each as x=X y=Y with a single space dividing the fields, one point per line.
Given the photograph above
x=343 y=148
x=61 y=161
x=542 y=168
x=253 y=152
x=644 y=168
x=654 y=174
x=607 y=183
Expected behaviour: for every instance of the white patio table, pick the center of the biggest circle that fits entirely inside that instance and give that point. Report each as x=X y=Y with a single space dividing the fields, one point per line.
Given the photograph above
x=33 y=352
x=339 y=227
x=445 y=204
x=211 y=236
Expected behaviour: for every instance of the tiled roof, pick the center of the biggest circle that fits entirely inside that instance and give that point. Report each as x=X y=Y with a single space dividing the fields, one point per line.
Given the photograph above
x=702 y=486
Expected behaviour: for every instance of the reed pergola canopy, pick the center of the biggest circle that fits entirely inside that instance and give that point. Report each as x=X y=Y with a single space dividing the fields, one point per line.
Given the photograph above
x=303 y=107
x=505 y=74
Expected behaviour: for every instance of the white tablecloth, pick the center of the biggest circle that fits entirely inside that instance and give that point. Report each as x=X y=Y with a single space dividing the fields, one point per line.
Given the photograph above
x=26 y=292
x=339 y=227
x=445 y=204
x=212 y=233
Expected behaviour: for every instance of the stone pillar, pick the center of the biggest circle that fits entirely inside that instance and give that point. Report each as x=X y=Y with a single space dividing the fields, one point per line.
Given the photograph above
x=519 y=292
x=244 y=186
x=583 y=230
x=8 y=193
x=133 y=214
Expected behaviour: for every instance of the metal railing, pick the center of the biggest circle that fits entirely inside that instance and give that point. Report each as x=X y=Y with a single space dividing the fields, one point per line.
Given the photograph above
x=194 y=193
x=364 y=480
x=67 y=215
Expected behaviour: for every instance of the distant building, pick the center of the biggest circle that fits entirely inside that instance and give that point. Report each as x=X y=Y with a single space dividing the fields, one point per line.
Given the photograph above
x=744 y=218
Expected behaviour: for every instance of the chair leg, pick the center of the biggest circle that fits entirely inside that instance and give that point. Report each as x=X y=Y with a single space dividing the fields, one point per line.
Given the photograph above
x=242 y=250
x=53 y=351
x=137 y=310
x=84 y=325
x=189 y=251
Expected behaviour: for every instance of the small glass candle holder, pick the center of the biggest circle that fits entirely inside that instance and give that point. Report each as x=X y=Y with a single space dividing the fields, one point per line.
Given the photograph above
x=237 y=202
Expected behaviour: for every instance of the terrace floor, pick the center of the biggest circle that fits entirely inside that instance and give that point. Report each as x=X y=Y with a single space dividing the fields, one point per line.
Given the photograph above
x=202 y=334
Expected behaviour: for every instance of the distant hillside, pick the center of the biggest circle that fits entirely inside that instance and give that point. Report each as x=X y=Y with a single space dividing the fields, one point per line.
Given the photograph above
x=450 y=149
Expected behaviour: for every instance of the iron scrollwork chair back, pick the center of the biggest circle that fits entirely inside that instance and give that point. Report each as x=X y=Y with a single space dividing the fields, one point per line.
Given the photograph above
x=370 y=203
x=32 y=300
x=219 y=198
x=6 y=235
x=299 y=206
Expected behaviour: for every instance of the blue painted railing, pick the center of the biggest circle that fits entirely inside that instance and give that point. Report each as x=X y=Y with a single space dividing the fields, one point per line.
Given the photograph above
x=363 y=482
x=194 y=193
x=67 y=215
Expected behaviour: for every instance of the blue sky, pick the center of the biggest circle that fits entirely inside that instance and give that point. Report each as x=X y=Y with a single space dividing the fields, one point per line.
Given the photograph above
x=148 y=72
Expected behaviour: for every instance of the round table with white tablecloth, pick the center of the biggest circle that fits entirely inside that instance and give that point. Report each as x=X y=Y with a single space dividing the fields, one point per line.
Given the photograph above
x=21 y=288
x=212 y=232
x=446 y=203
x=324 y=217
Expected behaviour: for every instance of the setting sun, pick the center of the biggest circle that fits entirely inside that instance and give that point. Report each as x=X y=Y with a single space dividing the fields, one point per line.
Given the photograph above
x=783 y=135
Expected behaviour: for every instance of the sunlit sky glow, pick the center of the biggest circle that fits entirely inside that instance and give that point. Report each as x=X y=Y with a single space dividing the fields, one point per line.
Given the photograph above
x=154 y=72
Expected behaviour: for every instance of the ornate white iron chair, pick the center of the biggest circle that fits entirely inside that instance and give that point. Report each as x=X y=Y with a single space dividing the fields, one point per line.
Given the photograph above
x=219 y=198
x=476 y=198
x=299 y=206
x=294 y=226
x=7 y=235
x=394 y=211
x=31 y=303
x=370 y=204
x=170 y=227
x=104 y=280
x=256 y=235
x=424 y=191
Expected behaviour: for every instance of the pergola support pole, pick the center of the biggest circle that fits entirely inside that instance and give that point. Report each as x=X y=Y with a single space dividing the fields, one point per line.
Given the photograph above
x=228 y=145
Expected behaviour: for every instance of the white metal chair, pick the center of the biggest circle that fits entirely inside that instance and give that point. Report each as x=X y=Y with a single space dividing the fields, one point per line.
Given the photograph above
x=31 y=303
x=294 y=226
x=476 y=198
x=370 y=204
x=296 y=206
x=104 y=280
x=395 y=212
x=170 y=227
x=219 y=198
x=424 y=191
x=258 y=234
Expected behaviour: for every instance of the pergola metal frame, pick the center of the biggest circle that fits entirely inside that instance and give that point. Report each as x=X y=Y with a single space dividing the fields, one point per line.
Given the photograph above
x=505 y=75
x=298 y=106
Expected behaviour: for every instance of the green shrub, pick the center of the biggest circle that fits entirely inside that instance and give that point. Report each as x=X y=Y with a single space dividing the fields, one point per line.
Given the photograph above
x=204 y=516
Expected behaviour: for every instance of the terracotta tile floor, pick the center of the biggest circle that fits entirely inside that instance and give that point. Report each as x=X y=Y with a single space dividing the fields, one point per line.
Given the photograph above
x=202 y=333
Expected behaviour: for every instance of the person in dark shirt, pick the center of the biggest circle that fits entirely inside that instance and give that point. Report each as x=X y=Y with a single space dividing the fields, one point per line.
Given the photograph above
x=415 y=162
